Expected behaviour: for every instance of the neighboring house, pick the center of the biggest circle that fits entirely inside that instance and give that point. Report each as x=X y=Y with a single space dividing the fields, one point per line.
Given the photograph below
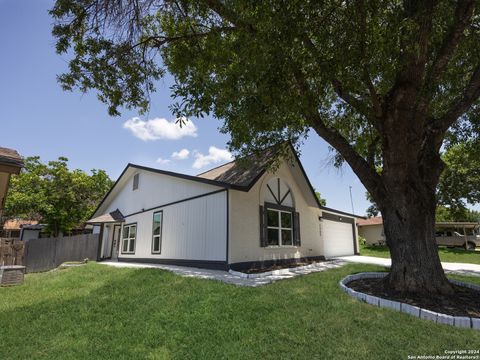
x=31 y=231
x=372 y=230
x=36 y=231
x=10 y=163
x=228 y=217
x=12 y=228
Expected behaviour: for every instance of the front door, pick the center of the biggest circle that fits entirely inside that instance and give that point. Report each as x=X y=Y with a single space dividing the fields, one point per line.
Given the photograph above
x=116 y=241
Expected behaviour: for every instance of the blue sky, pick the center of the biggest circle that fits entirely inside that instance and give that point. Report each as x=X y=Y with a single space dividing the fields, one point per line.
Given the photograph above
x=38 y=118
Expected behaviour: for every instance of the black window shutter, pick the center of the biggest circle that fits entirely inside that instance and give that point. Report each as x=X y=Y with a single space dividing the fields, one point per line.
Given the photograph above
x=296 y=229
x=263 y=226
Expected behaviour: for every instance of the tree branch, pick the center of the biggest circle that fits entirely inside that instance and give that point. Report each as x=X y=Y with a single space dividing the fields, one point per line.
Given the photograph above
x=371 y=150
x=227 y=14
x=463 y=15
x=469 y=96
x=162 y=40
x=411 y=78
x=367 y=174
x=376 y=102
x=351 y=100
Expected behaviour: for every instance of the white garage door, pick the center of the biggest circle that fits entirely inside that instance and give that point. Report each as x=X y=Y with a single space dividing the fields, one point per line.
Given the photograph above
x=337 y=238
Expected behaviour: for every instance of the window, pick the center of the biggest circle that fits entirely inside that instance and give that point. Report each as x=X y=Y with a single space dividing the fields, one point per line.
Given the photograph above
x=135 y=181
x=128 y=239
x=157 y=232
x=279 y=228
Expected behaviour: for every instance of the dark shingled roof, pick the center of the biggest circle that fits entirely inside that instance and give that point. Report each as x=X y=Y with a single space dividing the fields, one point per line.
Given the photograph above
x=10 y=157
x=242 y=173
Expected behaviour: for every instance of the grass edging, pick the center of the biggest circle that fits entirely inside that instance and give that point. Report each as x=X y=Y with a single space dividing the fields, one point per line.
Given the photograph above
x=439 y=318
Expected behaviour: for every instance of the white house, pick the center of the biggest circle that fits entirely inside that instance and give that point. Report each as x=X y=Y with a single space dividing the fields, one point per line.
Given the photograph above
x=228 y=217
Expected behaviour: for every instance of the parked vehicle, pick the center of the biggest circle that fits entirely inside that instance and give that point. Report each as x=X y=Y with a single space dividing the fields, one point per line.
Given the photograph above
x=452 y=238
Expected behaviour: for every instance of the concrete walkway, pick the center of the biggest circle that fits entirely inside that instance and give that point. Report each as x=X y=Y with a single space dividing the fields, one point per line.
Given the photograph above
x=225 y=276
x=453 y=268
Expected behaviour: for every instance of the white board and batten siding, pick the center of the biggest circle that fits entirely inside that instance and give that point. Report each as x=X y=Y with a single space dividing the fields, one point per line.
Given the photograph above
x=153 y=189
x=191 y=230
x=195 y=229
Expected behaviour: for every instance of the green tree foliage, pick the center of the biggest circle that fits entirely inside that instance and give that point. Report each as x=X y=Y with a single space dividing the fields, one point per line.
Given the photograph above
x=384 y=83
x=444 y=213
x=322 y=201
x=55 y=195
x=373 y=209
x=460 y=182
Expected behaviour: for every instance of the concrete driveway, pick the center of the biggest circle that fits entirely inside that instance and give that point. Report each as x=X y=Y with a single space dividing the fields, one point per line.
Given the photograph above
x=457 y=268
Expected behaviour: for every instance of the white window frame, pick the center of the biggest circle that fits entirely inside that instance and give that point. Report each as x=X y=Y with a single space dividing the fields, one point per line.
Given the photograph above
x=129 y=238
x=159 y=251
x=279 y=228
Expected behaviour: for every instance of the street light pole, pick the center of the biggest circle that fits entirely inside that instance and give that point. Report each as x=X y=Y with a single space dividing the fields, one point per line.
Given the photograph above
x=351 y=200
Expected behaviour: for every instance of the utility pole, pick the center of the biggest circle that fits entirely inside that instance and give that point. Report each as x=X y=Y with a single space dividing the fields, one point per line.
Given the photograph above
x=351 y=200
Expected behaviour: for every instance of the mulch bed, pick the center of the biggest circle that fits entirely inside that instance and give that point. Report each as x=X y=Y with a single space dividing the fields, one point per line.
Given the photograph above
x=279 y=267
x=464 y=302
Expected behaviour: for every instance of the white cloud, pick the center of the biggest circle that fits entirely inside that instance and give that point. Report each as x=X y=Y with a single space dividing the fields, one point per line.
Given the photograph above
x=159 y=129
x=180 y=155
x=163 y=161
x=215 y=155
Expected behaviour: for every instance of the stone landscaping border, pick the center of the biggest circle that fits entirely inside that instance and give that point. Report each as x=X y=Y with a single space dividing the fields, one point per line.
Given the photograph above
x=458 y=321
x=284 y=271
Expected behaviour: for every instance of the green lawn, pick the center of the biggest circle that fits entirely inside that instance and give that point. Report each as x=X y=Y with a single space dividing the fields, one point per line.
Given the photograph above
x=446 y=254
x=100 y=312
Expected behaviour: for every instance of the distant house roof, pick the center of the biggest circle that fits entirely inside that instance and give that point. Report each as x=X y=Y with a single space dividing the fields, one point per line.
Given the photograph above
x=114 y=216
x=10 y=157
x=457 y=224
x=16 y=224
x=370 y=221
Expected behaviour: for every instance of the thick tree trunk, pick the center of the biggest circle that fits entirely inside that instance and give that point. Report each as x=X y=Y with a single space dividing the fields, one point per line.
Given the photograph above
x=405 y=189
x=411 y=173
x=416 y=267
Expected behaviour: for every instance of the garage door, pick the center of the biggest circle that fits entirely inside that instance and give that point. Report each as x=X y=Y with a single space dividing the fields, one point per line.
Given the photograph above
x=337 y=238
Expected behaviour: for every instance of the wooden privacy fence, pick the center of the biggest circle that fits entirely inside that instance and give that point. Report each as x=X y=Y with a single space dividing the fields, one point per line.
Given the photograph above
x=47 y=253
x=11 y=251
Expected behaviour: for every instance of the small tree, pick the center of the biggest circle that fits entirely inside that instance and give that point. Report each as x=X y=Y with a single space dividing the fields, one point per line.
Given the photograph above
x=57 y=196
x=372 y=210
x=456 y=214
x=460 y=182
x=321 y=200
x=382 y=82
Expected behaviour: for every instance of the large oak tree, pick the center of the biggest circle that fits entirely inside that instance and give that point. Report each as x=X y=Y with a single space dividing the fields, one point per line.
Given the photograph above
x=383 y=82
